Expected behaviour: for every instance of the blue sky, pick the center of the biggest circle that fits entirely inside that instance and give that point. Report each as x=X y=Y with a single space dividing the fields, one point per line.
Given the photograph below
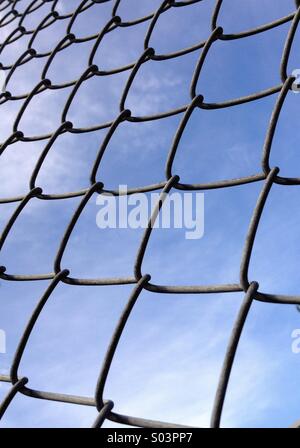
x=171 y=352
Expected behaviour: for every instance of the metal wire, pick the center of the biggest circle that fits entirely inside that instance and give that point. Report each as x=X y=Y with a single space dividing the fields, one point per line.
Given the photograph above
x=141 y=281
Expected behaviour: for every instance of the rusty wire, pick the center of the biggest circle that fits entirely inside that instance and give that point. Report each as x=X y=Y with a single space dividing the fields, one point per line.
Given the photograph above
x=140 y=280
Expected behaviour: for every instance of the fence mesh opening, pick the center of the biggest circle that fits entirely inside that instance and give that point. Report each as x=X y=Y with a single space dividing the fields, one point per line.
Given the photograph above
x=52 y=51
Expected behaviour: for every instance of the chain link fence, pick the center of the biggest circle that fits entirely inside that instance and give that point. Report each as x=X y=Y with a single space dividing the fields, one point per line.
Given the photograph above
x=13 y=19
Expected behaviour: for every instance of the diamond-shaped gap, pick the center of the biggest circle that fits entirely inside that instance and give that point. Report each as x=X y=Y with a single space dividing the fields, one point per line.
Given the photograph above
x=11 y=52
x=96 y=17
x=243 y=66
x=68 y=163
x=22 y=6
x=31 y=244
x=16 y=165
x=69 y=63
x=25 y=77
x=17 y=302
x=97 y=100
x=43 y=112
x=265 y=370
x=71 y=336
x=130 y=10
x=46 y=41
x=172 y=350
x=95 y=251
x=285 y=145
x=161 y=85
x=9 y=112
x=8 y=28
x=182 y=27
x=34 y=18
x=121 y=47
x=136 y=154
x=224 y=143
x=212 y=257
x=275 y=257
x=234 y=19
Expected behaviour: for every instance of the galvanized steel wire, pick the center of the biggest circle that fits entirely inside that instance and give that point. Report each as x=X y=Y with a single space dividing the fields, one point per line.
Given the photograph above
x=140 y=280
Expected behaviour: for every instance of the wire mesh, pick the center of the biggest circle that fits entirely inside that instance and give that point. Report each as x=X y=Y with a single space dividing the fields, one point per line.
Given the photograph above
x=11 y=17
